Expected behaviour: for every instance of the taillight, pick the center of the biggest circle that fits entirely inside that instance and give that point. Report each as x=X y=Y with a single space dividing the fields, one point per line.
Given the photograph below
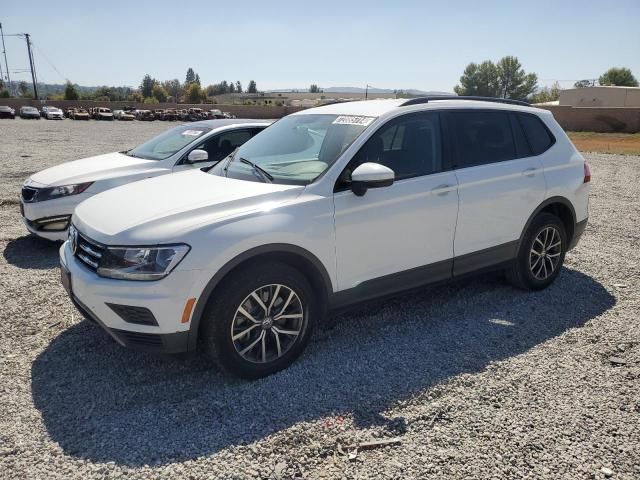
x=587 y=172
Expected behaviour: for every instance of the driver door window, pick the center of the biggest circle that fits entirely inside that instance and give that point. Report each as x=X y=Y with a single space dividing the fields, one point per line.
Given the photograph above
x=409 y=145
x=219 y=146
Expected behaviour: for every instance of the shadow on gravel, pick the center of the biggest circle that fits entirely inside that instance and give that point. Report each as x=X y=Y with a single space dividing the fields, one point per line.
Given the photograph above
x=32 y=252
x=104 y=403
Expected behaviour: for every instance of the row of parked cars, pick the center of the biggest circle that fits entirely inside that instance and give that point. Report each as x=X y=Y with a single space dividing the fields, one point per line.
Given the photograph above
x=103 y=113
x=249 y=233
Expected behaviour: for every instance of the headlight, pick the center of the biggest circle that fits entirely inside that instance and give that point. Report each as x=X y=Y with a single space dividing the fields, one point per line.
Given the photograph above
x=51 y=193
x=141 y=263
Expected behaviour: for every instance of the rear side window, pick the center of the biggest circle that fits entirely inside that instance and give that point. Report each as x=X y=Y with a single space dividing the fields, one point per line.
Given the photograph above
x=481 y=137
x=538 y=135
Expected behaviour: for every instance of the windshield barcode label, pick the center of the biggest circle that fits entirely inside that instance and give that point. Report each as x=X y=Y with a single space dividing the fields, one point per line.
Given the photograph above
x=353 y=120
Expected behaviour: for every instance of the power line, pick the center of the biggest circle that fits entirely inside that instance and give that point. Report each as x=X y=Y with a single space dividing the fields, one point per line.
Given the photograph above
x=40 y=52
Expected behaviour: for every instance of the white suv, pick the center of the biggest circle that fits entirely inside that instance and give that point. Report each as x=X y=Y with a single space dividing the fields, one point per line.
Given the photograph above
x=49 y=197
x=327 y=207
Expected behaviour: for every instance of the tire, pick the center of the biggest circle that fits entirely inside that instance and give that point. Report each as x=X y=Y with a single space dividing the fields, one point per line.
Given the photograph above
x=223 y=336
x=540 y=256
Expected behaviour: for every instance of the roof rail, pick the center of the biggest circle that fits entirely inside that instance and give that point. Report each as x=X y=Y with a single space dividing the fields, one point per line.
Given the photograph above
x=419 y=100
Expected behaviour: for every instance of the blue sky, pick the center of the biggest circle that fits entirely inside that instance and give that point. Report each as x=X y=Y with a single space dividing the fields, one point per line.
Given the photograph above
x=286 y=44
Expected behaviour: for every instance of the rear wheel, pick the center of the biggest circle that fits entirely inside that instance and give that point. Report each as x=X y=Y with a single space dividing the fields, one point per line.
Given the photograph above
x=260 y=320
x=541 y=254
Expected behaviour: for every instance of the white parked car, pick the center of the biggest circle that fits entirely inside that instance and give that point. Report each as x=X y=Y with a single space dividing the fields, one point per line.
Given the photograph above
x=52 y=113
x=327 y=207
x=50 y=196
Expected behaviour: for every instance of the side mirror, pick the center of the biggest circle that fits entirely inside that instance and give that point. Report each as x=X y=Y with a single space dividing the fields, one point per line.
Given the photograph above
x=197 y=155
x=370 y=175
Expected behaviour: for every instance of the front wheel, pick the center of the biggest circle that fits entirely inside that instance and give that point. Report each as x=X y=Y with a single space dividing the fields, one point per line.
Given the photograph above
x=541 y=254
x=259 y=320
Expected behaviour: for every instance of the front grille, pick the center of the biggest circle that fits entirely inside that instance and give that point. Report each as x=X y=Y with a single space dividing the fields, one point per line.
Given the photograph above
x=88 y=252
x=29 y=194
x=131 y=314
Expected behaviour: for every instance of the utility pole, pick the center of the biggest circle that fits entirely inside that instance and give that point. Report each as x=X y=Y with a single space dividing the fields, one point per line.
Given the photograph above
x=4 y=52
x=33 y=69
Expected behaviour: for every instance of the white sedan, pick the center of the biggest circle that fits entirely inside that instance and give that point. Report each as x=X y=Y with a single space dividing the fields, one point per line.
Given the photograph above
x=49 y=197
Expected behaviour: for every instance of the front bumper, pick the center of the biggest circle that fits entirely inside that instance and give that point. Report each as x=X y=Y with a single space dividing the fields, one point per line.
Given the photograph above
x=36 y=214
x=165 y=299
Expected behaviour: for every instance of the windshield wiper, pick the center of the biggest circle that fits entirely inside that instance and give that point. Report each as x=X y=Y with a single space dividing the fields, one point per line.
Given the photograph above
x=265 y=175
x=129 y=154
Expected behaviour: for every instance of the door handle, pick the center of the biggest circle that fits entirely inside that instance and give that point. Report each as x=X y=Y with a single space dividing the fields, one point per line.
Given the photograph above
x=443 y=189
x=529 y=172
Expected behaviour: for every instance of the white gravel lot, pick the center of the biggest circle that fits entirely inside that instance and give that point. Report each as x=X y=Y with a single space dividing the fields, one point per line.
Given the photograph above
x=475 y=379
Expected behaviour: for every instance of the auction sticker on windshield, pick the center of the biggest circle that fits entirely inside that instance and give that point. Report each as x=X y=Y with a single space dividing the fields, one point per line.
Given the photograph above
x=193 y=133
x=353 y=120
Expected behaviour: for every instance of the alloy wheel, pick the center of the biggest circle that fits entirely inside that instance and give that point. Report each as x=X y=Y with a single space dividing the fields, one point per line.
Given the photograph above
x=545 y=253
x=267 y=323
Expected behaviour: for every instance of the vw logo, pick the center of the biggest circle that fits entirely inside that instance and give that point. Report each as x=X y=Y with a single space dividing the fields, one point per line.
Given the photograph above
x=73 y=239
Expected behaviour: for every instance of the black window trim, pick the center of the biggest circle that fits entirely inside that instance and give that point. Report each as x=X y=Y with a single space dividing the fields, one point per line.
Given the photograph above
x=443 y=151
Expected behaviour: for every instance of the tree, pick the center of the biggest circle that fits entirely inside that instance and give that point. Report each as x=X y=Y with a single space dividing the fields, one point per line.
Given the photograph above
x=193 y=93
x=514 y=82
x=23 y=88
x=620 y=77
x=584 y=83
x=70 y=92
x=252 y=88
x=173 y=88
x=546 y=94
x=232 y=87
x=159 y=93
x=506 y=79
x=314 y=88
x=146 y=87
x=238 y=87
x=191 y=76
x=481 y=80
x=150 y=100
x=197 y=79
x=136 y=97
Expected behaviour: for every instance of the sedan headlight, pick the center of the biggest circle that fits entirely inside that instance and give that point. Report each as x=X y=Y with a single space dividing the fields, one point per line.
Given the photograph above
x=141 y=263
x=51 y=193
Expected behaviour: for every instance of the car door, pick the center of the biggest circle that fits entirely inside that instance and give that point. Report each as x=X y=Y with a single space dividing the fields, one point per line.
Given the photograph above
x=401 y=234
x=218 y=146
x=499 y=184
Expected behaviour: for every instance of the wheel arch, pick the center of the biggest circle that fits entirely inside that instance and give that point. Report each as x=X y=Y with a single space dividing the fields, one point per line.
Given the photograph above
x=293 y=255
x=562 y=208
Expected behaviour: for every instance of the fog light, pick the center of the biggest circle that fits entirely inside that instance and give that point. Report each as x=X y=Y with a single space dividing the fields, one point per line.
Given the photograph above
x=53 y=224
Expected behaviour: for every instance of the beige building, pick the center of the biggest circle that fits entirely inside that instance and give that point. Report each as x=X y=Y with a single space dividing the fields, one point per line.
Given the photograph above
x=603 y=96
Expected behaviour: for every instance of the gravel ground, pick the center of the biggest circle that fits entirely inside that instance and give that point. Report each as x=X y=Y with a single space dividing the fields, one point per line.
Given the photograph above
x=475 y=379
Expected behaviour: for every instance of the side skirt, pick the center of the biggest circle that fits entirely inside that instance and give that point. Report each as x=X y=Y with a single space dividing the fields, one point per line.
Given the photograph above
x=485 y=260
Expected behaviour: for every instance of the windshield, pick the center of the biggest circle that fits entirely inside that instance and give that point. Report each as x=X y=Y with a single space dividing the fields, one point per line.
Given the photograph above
x=294 y=150
x=170 y=142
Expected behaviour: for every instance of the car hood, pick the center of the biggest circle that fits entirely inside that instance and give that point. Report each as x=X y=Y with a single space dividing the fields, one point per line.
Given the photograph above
x=163 y=209
x=91 y=169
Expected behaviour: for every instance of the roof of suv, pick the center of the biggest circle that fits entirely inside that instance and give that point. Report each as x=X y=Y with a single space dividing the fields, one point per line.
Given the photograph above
x=376 y=108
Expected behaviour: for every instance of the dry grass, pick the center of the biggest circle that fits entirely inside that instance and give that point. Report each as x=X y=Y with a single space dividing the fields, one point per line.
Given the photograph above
x=621 y=143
